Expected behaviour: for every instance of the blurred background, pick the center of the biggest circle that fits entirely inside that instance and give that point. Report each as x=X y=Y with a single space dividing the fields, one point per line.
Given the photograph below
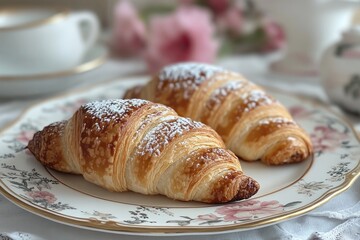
x=103 y=8
x=220 y=27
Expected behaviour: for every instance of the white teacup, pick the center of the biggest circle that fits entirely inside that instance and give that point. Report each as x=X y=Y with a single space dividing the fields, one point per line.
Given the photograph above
x=38 y=40
x=310 y=27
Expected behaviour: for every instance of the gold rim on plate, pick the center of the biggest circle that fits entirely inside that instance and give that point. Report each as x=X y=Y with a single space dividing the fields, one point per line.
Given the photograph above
x=114 y=227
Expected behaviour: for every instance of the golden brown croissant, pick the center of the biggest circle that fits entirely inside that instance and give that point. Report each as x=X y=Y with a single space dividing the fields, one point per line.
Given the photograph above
x=252 y=123
x=144 y=147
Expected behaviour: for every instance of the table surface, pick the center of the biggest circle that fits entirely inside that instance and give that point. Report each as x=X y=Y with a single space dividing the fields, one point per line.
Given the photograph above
x=339 y=218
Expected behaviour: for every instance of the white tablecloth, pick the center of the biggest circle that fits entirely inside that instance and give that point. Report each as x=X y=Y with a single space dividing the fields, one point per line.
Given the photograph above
x=337 y=219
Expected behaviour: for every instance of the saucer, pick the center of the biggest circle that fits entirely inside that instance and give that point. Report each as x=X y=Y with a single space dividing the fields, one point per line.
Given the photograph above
x=21 y=84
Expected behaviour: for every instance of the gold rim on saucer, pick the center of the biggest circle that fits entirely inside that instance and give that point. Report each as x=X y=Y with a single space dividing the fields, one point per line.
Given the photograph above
x=84 y=67
x=58 y=14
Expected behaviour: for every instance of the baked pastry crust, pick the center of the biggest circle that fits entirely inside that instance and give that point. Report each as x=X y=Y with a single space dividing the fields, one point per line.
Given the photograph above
x=252 y=123
x=136 y=145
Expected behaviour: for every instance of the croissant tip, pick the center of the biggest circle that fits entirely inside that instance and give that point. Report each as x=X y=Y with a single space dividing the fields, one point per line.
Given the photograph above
x=248 y=187
x=33 y=144
x=290 y=154
x=45 y=144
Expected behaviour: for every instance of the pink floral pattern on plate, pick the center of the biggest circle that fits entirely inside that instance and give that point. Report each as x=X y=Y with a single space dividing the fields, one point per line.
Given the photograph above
x=335 y=163
x=238 y=212
x=249 y=210
x=32 y=184
x=325 y=138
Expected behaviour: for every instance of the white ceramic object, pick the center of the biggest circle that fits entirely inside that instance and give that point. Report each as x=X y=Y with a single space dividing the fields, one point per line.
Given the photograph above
x=340 y=71
x=21 y=84
x=310 y=27
x=69 y=199
x=39 y=40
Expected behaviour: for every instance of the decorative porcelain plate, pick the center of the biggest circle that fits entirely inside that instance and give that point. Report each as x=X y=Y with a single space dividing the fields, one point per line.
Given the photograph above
x=286 y=191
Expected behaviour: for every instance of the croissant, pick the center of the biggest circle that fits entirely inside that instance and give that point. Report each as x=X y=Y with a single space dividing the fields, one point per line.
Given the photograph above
x=143 y=147
x=253 y=124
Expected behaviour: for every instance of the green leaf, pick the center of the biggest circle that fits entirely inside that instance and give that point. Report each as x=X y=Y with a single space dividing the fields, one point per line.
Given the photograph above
x=16 y=183
x=291 y=204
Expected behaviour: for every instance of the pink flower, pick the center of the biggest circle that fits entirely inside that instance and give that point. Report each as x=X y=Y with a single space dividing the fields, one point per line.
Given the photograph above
x=207 y=217
x=232 y=21
x=275 y=37
x=299 y=112
x=128 y=30
x=42 y=196
x=185 y=35
x=325 y=138
x=249 y=209
x=351 y=53
x=25 y=136
x=219 y=6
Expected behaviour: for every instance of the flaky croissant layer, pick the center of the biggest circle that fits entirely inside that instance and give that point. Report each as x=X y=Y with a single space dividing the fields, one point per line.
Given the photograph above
x=252 y=123
x=144 y=147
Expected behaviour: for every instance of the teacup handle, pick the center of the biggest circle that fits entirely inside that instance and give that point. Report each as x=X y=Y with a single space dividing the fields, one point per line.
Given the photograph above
x=92 y=30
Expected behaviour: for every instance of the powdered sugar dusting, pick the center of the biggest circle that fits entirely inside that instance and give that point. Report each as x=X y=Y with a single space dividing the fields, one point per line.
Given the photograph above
x=53 y=128
x=222 y=92
x=116 y=110
x=276 y=120
x=169 y=128
x=160 y=110
x=255 y=98
x=208 y=155
x=186 y=76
